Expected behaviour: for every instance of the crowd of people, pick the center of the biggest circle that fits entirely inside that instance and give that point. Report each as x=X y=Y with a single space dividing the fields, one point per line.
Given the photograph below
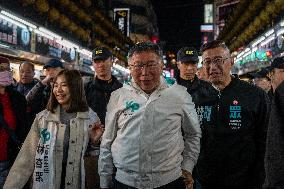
x=208 y=130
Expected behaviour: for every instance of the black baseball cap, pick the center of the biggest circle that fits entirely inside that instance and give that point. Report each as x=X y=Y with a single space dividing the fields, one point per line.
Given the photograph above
x=187 y=54
x=101 y=53
x=261 y=73
x=53 y=63
x=277 y=63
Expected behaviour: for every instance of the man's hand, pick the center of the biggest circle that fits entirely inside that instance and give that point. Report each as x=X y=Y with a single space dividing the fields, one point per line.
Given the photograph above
x=96 y=132
x=188 y=179
x=47 y=80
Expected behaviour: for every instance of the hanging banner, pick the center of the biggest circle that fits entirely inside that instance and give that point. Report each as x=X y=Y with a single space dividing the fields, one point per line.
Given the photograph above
x=121 y=19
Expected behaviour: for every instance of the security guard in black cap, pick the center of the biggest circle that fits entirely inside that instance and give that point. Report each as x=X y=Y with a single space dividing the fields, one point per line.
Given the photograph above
x=98 y=92
x=276 y=72
x=187 y=60
x=261 y=79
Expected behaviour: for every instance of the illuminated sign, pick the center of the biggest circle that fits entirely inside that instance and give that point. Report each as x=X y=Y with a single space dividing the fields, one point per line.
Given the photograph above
x=208 y=13
x=121 y=19
x=259 y=55
x=206 y=28
x=14 y=36
x=50 y=47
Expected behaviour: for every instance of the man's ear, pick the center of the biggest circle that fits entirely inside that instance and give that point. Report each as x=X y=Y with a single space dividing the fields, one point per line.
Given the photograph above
x=178 y=65
x=232 y=61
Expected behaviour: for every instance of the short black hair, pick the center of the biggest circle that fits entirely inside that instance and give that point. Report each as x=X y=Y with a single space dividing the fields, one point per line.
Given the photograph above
x=145 y=46
x=213 y=44
x=28 y=63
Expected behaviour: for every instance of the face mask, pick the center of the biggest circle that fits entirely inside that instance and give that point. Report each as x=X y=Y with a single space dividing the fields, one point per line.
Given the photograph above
x=6 y=78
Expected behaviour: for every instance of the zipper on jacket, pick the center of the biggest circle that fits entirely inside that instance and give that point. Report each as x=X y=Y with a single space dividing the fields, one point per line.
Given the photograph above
x=219 y=98
x=218 y=108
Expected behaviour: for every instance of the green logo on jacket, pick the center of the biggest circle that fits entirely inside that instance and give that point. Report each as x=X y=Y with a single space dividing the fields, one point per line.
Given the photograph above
x=132 y=105
x=44 y=135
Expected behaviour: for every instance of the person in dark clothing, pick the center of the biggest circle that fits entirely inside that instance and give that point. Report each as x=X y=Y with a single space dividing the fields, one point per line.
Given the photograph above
x=187 y=60
x=99 y=89
x=274 y=156
x=261 y=79
x=38 y=96
x=276 y=72
x=27 y=81
x=98 y=93
x=234 y=124
x=13 y=113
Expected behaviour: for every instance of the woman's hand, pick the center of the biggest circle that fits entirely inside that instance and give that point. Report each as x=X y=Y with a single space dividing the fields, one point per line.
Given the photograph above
x=96 y=132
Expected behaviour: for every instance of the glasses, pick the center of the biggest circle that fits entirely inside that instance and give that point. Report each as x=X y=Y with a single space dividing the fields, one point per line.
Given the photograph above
x=139 y=66
x=216 y=61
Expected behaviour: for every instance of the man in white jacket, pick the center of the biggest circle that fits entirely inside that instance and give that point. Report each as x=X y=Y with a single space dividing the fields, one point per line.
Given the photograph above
x=152 y=134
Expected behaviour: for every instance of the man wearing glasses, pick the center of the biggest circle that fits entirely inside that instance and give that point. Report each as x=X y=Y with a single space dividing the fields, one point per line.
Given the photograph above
x=143 y=138
x=13 y=124
x=234 y=125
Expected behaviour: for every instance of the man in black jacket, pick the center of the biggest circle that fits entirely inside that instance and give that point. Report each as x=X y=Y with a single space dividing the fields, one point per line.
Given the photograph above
x=99 y=89
x=98 y=93
x=187 y=60
x=234 y=124
x=13 y=115
x=27 y=80
x=274 y=156
x=38 y=96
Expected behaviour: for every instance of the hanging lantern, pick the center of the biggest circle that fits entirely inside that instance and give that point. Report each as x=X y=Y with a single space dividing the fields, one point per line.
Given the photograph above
x=86 y=36
x=64 y=21
x=28 y=2
x=42 y=6
x=79 y=32
x=53 y=14
x=72 y=26
x=88 y=19
x=64 y=3
x=86 y=3
x=73 y=7
x=80 y=14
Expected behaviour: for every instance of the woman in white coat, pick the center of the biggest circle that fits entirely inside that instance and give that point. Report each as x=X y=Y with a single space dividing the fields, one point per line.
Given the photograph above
x=53 y=152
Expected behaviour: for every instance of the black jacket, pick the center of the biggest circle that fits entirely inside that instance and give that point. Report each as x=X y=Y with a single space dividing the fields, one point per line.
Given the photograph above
x=234 y=124
x=19 y=107
x=25 y=88
x=198 y=89
x=274 y=156
x=98 y=93
x=38 y=97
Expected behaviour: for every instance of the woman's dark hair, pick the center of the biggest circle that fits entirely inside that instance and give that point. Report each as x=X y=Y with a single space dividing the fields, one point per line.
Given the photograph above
x=78 y=102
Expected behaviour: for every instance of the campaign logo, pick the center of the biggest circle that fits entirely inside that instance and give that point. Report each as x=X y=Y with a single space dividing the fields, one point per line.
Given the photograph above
x=130 y=108
x=235 y=121
x=132 y=105
x=44 y=135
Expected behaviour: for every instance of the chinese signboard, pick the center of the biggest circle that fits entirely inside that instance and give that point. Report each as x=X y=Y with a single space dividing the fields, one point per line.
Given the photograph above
x=121 y=19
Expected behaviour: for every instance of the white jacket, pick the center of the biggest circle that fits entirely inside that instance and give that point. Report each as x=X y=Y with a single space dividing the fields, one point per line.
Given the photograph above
x=143 y=136
x=42 y=152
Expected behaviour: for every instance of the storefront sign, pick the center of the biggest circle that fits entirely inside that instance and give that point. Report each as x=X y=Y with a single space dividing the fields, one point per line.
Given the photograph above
x=49 y=47
x=14 y=36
